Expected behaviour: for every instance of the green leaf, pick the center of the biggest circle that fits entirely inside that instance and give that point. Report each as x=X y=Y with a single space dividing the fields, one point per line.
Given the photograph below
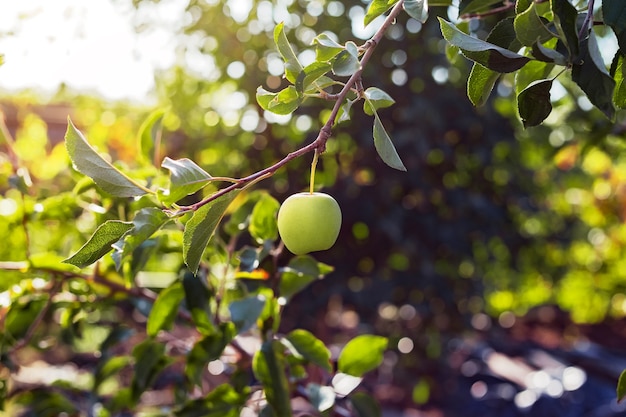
x=565 y=16
x=375 y=99
x=245 y=313
x=186 y=177
x=310 y=75
x=145 y=223
x=344 y=112
x=619 y=75
x=292 y=65
x=100 y=243
x=150 y=359
x=364 y=405
x=417 y=9
x=535 y=70
x=593 y=78
x=21 y=316
x=283 y=102
x=200 y=228
x=362 y=354
x=165 y=309
x=384 y=146
x=88 y=162
x=207 y=349
x=223 y=401
x=621 y=386
x=150 y=133
x=109 y=368
x=480 y=83
x=268 y=365
x=197 y=300
x=614 y=13
x=299 y=273
x=473 y=6
x=533 y=103
x=321 y=397
x=310 y=348
x=377 y=8
x=531 y=28
x=263 y=219
x=347 y=62
x=487 y=54
x=542 y=53
x=326 y=48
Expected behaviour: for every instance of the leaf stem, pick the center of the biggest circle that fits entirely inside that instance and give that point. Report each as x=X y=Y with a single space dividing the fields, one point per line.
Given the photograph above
x=319 y=144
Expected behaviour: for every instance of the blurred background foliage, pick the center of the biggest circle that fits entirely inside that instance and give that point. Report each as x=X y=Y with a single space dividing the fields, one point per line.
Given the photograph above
x=490 y=218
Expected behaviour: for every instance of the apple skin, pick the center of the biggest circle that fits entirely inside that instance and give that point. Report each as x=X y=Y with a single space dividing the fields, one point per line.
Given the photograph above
x=309 y=222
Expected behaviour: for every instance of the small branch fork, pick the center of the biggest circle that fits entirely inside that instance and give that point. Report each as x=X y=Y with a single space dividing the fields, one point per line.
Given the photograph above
x=319 y=144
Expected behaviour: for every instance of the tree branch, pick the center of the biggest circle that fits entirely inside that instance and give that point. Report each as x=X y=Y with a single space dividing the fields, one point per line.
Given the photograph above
x=325 y=132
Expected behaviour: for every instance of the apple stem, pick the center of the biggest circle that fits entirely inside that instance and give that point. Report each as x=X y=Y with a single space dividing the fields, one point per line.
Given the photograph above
x=313 y=166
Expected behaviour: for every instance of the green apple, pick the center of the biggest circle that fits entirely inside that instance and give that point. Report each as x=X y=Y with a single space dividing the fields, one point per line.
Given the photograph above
x=309 y=222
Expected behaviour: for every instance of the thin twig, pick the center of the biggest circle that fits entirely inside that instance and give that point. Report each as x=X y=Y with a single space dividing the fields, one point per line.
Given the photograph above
x=588 y=19
x=325 y=132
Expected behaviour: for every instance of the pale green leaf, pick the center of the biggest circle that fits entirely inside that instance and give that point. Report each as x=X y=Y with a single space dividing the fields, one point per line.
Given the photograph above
x=292 y=65
x=362 y=354
x=417 y=9
x=145 y=223
x=310 y=348
x=480 y=83
x=88 y=162
x=375 y=99
x=384 y=146
x=186 y=178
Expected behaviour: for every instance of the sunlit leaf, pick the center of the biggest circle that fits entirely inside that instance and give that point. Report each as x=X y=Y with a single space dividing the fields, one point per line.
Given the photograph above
x=299 y=273
x=531 y=28
x=384 y=146
x=186 y=177
x=88 y=162
x=375 y=99
x=417 y=9
x=269 y=366
x=283 y=102
x=621 y=386
x=200 y=228
x=533 y=103
x=593 y=78
x=100 y=243
x=326 y=48
x=377 y=8
x=487 y=54
x=109 y=368
x=480 y=83
x=244 y=313
x=310 y=75
x=619 y=75
x=263 y=219
x=347 y=62
x=310 y=348
x=150 y=134
x=165 y=309
x=362 y=354
x=292 y=65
